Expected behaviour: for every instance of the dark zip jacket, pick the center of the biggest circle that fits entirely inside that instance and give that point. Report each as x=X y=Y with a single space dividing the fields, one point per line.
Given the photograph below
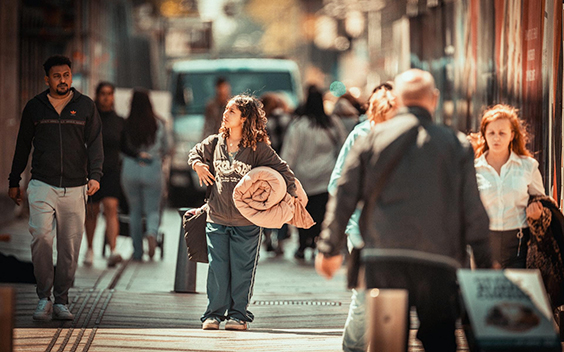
x=68 y=149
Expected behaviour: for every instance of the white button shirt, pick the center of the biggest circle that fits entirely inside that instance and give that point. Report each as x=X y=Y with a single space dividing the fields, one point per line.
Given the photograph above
x=505 y=196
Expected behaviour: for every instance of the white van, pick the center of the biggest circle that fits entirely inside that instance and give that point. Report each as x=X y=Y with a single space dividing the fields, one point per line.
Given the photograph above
x=192 y=85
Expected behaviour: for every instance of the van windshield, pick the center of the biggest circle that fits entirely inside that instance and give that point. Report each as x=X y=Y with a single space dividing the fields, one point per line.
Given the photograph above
x=194 y=90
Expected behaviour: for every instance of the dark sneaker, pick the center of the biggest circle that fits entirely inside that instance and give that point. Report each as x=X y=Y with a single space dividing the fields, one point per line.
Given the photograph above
x=62 y=312
x=235 y=324
x=114 y=259
x=152 y=246
x=43 y=310
x=210 y=324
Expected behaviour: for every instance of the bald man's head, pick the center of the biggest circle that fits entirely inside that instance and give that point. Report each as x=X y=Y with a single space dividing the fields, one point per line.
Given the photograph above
x=416 y=88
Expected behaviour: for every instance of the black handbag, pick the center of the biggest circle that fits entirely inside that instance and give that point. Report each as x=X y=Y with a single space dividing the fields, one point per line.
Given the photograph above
x=194 y=224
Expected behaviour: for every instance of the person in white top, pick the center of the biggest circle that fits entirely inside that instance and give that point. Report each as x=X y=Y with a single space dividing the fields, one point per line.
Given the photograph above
x=507 y=176
x=311 y=147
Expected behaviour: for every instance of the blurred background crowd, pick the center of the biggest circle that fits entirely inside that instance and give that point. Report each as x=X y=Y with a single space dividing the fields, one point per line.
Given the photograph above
x=189 y=53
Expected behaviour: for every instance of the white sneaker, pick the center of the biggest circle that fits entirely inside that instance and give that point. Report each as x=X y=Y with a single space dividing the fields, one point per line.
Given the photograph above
x=43 y=310
x=211 y=324
x=62 y=312
x=89 y=257
x=235 y=324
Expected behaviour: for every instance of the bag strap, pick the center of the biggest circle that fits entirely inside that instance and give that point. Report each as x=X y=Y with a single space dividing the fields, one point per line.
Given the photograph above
x=388 y=169
x=209 y=187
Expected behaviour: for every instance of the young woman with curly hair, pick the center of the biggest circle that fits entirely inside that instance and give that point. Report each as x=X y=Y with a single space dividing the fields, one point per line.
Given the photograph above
x=221 y=160
x=507 y=176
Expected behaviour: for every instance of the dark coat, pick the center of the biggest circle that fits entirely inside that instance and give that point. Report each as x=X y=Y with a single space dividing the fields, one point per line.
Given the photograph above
x=546 y=247
x=430 y=202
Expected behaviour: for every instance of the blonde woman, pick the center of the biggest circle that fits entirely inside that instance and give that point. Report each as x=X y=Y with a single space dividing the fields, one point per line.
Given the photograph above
x=507 y=176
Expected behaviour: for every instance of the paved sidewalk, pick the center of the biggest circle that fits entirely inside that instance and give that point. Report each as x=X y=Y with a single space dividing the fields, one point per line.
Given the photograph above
x=132 y=307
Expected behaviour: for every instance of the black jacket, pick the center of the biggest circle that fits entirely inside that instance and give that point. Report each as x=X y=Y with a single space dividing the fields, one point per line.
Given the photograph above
x=113 y=137
x=430 y=202
x=67 y=148
x=546 y=248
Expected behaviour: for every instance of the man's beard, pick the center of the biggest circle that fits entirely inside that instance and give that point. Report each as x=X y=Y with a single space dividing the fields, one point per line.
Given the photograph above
x=63 y=89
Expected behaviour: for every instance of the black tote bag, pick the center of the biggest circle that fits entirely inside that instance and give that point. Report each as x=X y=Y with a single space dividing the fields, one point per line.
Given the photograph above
x=194 y=224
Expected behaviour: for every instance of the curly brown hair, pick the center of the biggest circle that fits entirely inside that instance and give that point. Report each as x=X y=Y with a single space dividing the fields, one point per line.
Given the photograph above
x=254 y=126
x=498 y=112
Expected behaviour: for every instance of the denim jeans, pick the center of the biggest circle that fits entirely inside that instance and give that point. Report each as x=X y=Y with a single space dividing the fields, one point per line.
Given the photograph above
x=142 y=186
x=355 y=326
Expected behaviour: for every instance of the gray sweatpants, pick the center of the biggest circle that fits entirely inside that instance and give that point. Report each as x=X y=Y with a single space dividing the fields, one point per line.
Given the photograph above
x=61 y=209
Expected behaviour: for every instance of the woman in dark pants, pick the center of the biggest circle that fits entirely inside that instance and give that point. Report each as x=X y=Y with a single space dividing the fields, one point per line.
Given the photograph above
x=311 y=147
x=507 y=176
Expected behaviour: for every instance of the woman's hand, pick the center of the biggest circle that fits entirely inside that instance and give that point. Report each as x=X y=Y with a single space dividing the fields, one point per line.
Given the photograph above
x=144 y=159
x=534 y=210
x=204 y=174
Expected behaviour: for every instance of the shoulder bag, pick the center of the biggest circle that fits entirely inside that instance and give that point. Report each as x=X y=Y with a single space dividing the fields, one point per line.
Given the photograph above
x=194 y=224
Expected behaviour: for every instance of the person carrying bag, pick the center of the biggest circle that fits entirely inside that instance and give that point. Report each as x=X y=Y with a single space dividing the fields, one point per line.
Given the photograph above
x=233 y=241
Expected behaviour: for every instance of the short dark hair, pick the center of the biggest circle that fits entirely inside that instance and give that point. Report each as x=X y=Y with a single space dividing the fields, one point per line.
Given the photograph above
x=220 y=80
x=103 y=84
x=56 y=60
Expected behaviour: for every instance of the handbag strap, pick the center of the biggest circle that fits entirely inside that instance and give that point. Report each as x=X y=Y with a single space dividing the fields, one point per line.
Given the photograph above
x=209 y=187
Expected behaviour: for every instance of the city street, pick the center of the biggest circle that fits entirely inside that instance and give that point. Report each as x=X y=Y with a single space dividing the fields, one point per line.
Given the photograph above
x=124 y=96
x=133 y=307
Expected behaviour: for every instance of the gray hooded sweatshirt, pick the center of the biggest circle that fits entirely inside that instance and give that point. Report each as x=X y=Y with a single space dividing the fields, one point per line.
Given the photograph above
x=221 y=208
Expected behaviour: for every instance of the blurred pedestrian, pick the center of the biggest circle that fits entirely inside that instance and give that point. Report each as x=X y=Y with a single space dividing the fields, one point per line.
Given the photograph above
x=142 y=177
x=277 y=123
x=215 y=107
x=381 y=107
x=428 y=208
x=507 y=176
x=346 y=112
x=311 y=147
x=110 y=184
x=65 y=130
x=277 y=117
x=233 y=241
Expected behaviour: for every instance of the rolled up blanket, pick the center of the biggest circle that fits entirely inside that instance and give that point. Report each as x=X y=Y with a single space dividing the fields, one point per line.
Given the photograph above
x=261 y=197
